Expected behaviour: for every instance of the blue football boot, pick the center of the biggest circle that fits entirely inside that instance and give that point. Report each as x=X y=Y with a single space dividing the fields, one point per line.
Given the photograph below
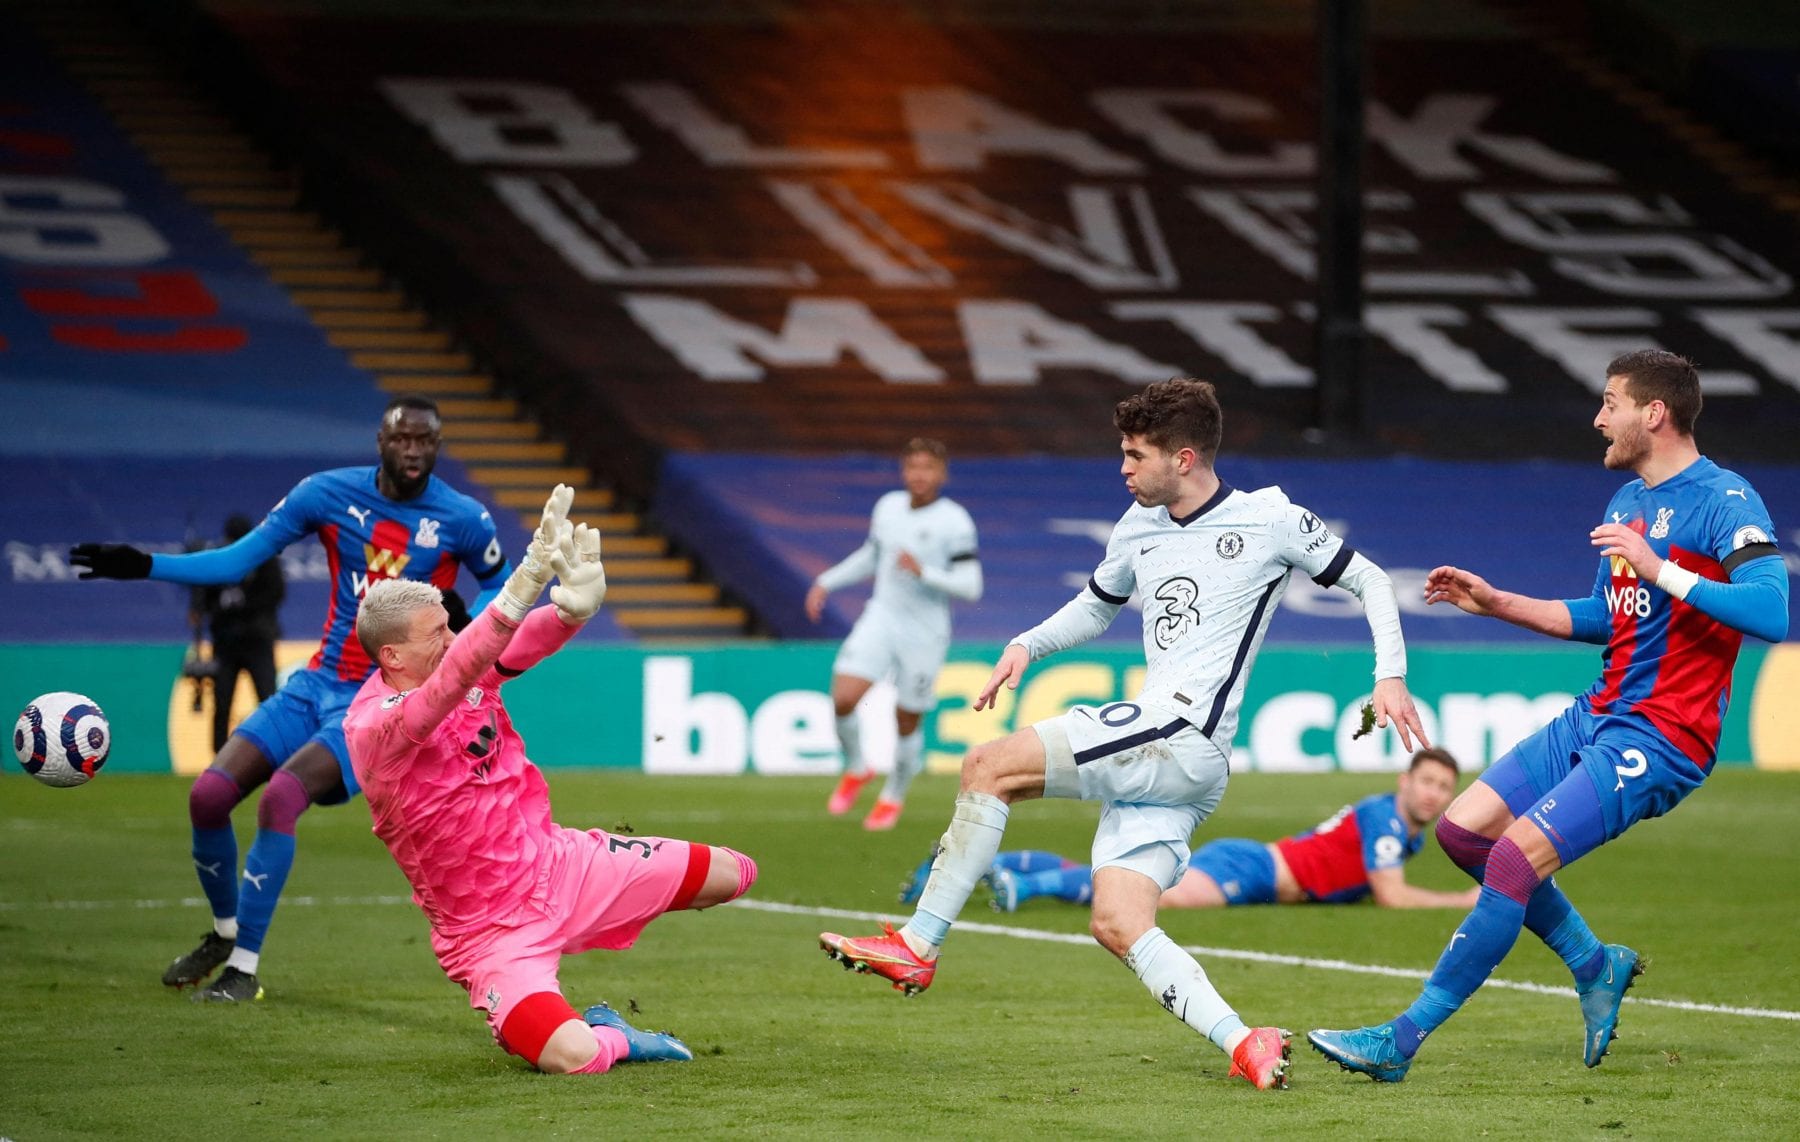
x=641 y=1046
x=913 y=886
x=1367 y=1050
x=1004 y=884
x=1600 y=1000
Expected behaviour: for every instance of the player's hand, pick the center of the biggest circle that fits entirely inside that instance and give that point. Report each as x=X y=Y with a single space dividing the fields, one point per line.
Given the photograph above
x=1464 y=590
x=582 y=578
x=1393 y=705
x=908 y=563
x=533 y=573
x=110 y=561
x=1617 y=539
x=457 y=610
x=1008 y=670
x=815 y=602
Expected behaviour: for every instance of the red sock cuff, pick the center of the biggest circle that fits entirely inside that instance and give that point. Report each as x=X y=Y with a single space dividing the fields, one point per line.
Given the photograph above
x=532 y=1021
x=694 y=879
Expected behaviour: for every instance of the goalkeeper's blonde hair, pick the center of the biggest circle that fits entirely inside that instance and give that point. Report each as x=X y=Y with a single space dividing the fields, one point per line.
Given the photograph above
x=385 y=616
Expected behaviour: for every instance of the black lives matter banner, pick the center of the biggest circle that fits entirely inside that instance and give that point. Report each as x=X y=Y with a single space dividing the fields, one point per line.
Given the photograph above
x=830 y=237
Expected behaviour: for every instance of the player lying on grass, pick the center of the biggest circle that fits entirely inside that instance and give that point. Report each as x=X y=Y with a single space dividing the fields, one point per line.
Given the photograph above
x=467 y=816
x=1209 y=564
x=1357 y=852
x=1688 y=566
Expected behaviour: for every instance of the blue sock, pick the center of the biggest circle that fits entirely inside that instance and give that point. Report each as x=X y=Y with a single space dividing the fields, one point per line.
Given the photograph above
x=215 y=862
x=265 y=872
x=1473 y=953
x=1037 y=860
x=1552 y=918
x=1074 y=884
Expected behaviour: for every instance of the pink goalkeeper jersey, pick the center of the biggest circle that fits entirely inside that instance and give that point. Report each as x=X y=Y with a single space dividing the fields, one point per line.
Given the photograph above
x=464 y=811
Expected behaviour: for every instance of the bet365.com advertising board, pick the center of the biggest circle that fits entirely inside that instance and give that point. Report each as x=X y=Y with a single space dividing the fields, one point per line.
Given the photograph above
x=763 y=709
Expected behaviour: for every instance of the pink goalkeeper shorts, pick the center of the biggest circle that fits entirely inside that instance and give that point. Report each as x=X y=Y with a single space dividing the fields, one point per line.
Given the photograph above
x=602 y=892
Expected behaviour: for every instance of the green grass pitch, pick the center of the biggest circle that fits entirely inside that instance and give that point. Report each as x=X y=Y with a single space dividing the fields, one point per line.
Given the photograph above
x=362 y=1037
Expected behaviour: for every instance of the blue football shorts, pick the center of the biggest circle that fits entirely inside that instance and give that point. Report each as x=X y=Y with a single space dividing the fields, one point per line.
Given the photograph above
x=1586 y=778
x=310 y=708
x=1243 y=870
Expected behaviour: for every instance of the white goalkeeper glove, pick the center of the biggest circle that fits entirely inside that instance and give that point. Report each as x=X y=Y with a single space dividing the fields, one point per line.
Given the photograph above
x=533 y=573
x=581 y=577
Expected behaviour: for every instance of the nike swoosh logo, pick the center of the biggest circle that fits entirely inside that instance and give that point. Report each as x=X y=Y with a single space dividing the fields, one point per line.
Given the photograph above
x=1149 y=549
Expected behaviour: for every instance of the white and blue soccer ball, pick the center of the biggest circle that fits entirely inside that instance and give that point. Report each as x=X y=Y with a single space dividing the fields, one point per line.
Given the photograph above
x=62 y=738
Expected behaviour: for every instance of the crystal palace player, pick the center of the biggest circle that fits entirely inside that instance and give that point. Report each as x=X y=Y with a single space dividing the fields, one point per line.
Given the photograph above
x=467 y=816
x=1688 y=567
x=1356 y=853
x=393 y=520
x=1209 y=563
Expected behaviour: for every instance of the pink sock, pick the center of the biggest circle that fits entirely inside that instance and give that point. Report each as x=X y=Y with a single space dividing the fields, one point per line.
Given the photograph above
x=612 y=1048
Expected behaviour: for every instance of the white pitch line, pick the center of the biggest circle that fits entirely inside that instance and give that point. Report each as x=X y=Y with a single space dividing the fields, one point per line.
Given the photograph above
x=962 y=926
x=1268 y=958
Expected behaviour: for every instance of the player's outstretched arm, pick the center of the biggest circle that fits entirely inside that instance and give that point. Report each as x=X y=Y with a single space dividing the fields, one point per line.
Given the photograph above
x=1470 y=593
x=229 y=564
x=1388 y=888
x=110 y=561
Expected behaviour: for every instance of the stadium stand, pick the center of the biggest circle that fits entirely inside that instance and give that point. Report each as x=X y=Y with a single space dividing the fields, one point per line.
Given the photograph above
x=736 y=235
x=820 y=239
x=183 y=342
x=776 y=521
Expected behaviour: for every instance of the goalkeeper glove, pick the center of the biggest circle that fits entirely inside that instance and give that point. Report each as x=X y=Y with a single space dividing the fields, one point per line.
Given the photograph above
x=533 y=573
x=110 y=561
x=582 y=577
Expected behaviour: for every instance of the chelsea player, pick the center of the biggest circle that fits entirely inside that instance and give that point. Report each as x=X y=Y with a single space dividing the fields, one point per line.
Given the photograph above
x=1688 y=567
x=393 y=520
x=1209 y=563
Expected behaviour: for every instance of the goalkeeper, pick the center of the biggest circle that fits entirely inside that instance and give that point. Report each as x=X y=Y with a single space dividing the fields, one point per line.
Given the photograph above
x=467 y=815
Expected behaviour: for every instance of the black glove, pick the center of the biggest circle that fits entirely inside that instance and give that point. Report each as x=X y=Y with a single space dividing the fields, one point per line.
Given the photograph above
x=110 y=561
x=459 y=610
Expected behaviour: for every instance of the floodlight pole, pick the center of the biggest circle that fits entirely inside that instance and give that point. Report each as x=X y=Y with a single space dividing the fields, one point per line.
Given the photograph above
x=1338 y=332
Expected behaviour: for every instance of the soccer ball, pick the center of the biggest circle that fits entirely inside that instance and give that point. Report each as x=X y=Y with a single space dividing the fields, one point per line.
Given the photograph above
x=62 y=738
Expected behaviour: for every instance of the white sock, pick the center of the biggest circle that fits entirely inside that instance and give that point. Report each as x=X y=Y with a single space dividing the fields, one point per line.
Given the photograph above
x=243 y=960
x=226 y=927
x=909 y=759
x=1180 y=985
x=849 y=729
x=965 y=853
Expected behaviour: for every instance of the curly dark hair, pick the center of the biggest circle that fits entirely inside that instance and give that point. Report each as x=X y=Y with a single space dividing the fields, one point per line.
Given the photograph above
x=1174 y=414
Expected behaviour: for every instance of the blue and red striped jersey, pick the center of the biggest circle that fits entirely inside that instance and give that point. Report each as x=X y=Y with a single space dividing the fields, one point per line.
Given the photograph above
x=1665 y=660
x=367 y=536
x=1332 y=861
